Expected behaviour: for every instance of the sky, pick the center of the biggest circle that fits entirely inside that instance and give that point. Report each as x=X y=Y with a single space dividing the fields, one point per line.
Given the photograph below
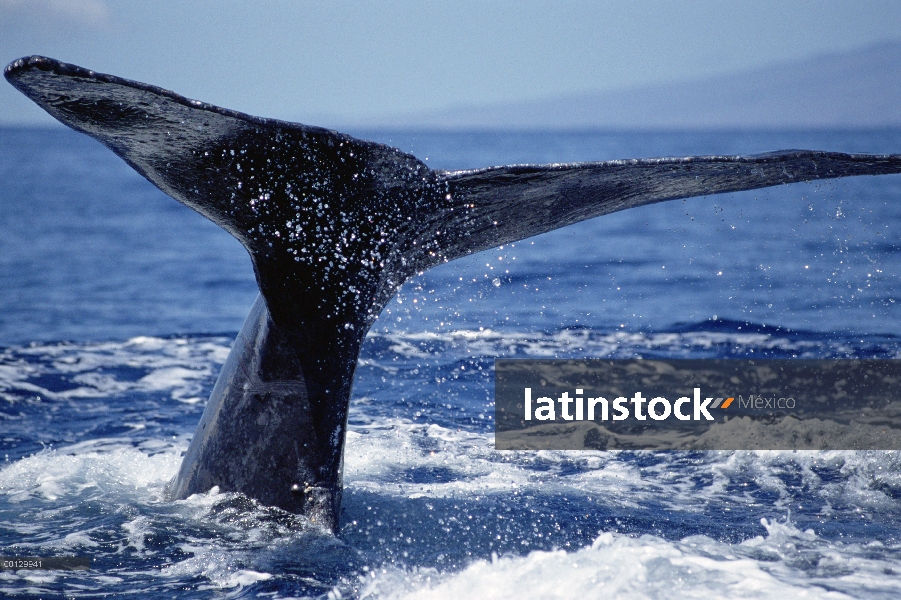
x=324 y=63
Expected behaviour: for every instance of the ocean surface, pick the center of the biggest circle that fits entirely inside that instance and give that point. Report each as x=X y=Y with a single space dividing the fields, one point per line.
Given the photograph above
x=118 y=307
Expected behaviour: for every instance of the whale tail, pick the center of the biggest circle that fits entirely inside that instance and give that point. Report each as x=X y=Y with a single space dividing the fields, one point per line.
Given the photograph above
x=334 y=225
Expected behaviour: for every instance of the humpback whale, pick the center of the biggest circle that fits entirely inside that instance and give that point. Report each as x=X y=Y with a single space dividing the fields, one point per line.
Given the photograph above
x=334 y=225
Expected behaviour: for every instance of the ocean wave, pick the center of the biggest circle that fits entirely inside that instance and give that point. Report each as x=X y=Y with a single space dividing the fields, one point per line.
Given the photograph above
x=431 y=508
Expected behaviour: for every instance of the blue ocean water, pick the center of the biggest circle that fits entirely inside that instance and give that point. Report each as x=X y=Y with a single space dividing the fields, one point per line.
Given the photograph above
x=118 y=305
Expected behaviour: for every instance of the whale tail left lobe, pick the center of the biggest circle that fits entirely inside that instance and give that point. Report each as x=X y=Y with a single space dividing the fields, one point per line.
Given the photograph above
x=330 y=224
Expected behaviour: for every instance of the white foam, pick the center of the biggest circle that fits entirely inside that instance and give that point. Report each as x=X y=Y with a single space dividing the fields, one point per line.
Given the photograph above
x=619 y=566
x=587 y=342
x=218 y=567
x=108 y=467
x=137 y=529
x=179 y=366
x=378 y=452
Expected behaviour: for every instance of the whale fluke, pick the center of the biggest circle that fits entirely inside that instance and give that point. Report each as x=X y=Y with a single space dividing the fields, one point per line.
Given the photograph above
x=334 y=225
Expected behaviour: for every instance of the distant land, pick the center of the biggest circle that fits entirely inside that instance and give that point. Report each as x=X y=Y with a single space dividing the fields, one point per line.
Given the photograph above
x=856 y=89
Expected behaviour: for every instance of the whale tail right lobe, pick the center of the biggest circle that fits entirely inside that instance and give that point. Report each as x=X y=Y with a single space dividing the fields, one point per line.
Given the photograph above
x=506 y=204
